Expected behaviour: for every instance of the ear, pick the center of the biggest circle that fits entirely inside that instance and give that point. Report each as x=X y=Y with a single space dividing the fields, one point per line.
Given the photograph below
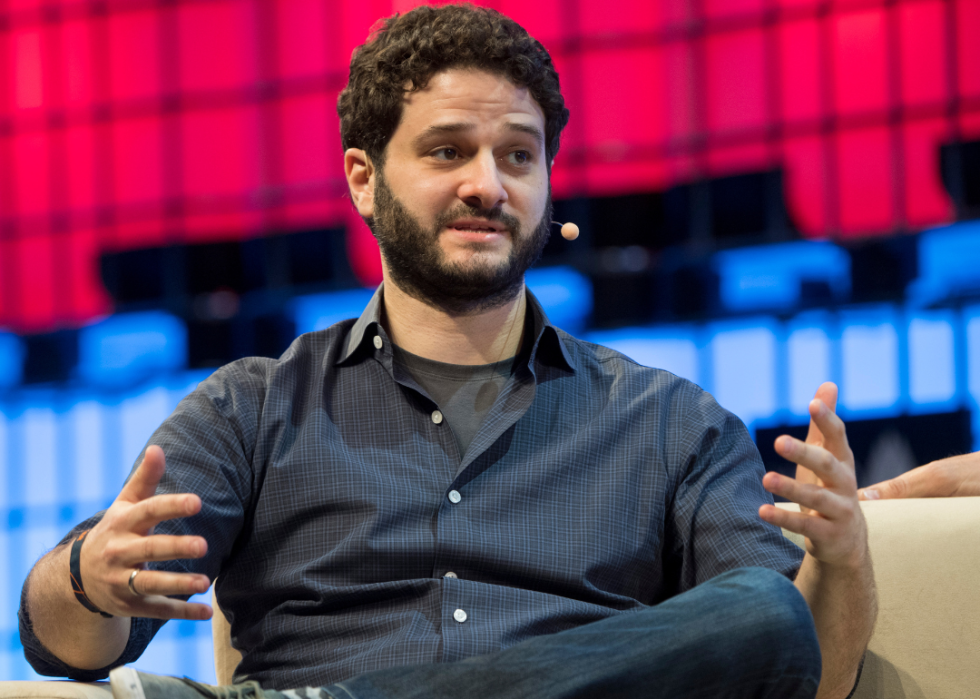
x=360 y=179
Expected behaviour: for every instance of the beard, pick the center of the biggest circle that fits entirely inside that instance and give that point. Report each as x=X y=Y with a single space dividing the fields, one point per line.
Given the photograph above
x=417 y=264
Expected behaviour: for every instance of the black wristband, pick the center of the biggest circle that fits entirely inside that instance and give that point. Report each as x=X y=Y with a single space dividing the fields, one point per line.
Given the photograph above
x=75 y=573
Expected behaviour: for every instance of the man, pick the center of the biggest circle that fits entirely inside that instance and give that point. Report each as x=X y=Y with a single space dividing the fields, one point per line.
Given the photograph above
x=449 y=496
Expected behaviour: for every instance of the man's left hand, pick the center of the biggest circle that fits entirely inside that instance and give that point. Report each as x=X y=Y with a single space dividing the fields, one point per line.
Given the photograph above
x=825 y=487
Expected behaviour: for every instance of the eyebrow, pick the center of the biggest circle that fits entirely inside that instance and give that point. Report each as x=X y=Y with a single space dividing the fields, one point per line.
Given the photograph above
x=459 y=127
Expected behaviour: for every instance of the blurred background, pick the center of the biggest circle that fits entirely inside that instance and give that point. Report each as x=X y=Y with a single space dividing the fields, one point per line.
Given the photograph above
x=772 y=193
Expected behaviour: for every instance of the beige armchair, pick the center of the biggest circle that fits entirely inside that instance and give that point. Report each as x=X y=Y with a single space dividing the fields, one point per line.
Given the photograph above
x=926 y=645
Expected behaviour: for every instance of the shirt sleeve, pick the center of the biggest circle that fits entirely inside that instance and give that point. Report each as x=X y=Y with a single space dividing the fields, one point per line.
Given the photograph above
x=714 y=523
x=208 y=443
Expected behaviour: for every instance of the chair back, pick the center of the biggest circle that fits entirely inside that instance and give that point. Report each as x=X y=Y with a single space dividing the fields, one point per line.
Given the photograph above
x=226 y=658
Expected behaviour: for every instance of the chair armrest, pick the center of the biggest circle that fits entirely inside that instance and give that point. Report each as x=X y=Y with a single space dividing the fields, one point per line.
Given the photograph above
x=926 y=558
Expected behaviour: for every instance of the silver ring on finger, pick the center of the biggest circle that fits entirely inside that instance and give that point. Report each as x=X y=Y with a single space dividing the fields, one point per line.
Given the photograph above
x=132 y=579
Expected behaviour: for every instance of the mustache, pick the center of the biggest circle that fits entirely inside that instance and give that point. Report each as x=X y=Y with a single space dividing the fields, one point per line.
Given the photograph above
x=464 y=211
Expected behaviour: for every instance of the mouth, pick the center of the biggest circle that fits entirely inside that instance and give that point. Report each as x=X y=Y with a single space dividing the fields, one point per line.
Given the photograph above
x=477 y=226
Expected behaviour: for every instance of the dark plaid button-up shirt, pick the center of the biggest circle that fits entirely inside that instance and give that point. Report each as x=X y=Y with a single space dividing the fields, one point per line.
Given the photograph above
x=348 y=535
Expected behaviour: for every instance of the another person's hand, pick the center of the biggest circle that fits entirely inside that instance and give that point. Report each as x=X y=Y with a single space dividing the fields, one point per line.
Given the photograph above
x=957 y=476
x=830 y=516
x=123 y=541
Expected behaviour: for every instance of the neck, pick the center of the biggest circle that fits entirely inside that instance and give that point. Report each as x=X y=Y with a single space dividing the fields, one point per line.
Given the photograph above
x=481 y=337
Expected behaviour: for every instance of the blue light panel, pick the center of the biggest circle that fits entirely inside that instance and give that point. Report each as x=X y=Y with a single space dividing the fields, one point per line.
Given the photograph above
x=971 y=322
x=87 y=435
x=949 y=260
x=809 y=351
x=671 y=348
x=743 y=362
x=11 y=360
x=564 y=293
x=320 y=311
x=131 y=347
x=39 y=431
x=932 y=367
x=770 y=277
x=869 y=362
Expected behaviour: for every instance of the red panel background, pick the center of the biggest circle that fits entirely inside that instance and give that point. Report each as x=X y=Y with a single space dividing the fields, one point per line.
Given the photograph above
x=76 y=65
x=736 y=82
x=613 y=126
x=926 y=199
x=806 y=183
x=30 y=174
x=732 y=8
x=864 y=159
x=860 y=62
x=137 y=164
x=800 y=70
x=621 y=16
x=922 y=28
x=226 y=108
x=967 y=14
x=302 y=41
x=217 y=45
x=134 y=55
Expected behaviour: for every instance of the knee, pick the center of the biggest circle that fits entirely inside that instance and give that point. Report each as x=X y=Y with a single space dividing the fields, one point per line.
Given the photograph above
x=773 y=602
x=783 y=616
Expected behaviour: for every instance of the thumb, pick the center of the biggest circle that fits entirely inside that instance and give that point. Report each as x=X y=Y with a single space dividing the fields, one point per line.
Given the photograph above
x=887 y=490
x=146 y=477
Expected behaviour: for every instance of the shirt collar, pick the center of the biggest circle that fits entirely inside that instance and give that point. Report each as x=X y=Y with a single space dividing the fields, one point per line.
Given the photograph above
x=548 y=345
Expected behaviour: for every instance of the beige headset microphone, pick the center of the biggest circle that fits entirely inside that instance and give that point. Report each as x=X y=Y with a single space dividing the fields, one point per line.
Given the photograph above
x=569 y=231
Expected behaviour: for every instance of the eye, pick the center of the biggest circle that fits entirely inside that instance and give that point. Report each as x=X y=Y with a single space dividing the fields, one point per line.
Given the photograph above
x=520 y=157
x=446 y=154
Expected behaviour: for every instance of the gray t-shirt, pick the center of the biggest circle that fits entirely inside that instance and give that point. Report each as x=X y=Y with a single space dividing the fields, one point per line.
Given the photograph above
x=464 y=392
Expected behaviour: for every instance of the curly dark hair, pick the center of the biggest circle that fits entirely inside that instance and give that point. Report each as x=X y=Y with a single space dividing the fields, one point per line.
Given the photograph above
x=409 y=49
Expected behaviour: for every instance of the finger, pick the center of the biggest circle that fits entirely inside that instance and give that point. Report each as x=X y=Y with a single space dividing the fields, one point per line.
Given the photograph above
x=809 y=497
x=147 y=514
x=157 y=607
x=902 y=487
x=832 y=428
x=826 y=393
x=816 y=459
x=814 y=528
x=160 y=547
x=805 y=475
x=147 y=476
x=162 y=582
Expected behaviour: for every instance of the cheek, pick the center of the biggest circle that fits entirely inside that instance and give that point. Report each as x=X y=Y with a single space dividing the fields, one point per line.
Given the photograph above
x=530 y=200
x=423 y=197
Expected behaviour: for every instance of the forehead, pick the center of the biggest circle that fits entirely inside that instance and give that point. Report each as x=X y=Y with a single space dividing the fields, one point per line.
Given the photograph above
x=473 y=95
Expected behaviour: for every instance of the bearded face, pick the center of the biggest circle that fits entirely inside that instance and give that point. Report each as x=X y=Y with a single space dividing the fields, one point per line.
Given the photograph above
x=418 y=265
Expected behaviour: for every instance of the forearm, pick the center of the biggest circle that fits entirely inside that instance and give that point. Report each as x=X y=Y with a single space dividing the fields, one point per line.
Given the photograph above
x=75 y=635
x=844 y=605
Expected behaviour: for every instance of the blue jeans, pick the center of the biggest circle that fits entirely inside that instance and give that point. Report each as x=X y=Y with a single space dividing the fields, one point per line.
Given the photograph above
x=746 y=633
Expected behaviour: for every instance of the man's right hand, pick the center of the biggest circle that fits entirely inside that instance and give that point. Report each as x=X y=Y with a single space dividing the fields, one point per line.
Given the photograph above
x=123 y=541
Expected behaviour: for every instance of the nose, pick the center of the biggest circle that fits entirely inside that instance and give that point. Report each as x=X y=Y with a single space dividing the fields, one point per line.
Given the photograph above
x=482 y=186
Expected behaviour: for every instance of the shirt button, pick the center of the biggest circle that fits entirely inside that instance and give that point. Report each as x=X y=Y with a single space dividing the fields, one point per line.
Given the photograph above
x=459 y=615
x=437 y=417
x=454 y=496
x=378 y=343
x=450 y=574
